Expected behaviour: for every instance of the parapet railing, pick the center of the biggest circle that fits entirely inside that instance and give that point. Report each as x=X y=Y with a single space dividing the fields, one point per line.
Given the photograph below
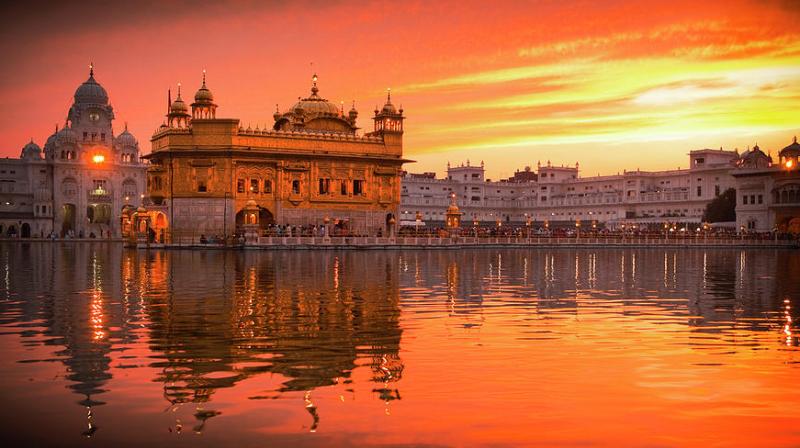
x=501 y=241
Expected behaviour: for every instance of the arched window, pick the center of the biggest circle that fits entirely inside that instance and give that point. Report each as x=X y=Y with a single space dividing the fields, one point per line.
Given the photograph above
x=295 y=186
x=268 y=186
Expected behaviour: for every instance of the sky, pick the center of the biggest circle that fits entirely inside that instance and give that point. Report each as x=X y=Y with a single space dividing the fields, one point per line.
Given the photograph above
x=613 y=85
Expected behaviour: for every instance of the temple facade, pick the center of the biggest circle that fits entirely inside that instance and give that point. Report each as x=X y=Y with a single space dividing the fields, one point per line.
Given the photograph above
x=81 y=182
x=311 y=167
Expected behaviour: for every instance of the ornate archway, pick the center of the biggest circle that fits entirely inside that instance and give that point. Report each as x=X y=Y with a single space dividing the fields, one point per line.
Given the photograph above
x=265 y=218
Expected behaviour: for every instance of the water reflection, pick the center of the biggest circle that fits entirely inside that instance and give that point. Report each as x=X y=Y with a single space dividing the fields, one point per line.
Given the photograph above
x=290 y=325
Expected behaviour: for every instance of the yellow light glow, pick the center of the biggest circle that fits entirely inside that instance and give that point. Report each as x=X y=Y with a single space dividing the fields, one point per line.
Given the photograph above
x=98 y=158
x=789 y=164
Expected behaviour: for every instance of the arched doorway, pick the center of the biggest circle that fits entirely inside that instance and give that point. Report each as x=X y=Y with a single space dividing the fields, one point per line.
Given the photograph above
x=390 y=221
x=265 y=218
x=68 y=221
x=26 y=230
x=12 y=231
x=160 y=228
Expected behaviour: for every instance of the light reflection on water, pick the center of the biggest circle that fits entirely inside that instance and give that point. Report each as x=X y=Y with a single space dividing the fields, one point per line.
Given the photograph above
x=467 y=347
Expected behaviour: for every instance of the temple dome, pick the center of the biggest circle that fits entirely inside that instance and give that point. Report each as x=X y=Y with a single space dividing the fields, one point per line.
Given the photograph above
x=203 y=95
x=791 y=151
x=126 y=139
x=66 y=135
x=31 y=151
x=315 y=104
x=91 y=92
x=178 y=106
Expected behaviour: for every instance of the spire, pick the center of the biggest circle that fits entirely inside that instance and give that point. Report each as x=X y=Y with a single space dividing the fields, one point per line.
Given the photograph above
x=314 y=88
x=795 y=139
x=91 y=69
x=179 y=92
x=388 y=95
x=169 y=99
x=126 y=126
x=204 y=79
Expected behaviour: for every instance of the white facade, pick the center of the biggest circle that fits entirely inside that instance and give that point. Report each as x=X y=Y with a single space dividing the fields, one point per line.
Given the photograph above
x=558 y=194
x=767 y=193
x=79 y=184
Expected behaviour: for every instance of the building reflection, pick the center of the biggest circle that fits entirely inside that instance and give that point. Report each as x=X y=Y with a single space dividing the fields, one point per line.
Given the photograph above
x=731 y=288
x=305 y=321
x=229 y=316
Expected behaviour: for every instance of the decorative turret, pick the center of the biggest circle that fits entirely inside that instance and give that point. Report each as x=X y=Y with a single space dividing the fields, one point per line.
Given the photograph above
x=389 y=119
x=353 y=114
x=204 y=106
x=178 y=115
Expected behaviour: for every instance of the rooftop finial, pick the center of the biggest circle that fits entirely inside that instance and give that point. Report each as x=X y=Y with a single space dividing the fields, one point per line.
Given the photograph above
x=126 y=126
x=314 y=88
x=91 y=69
x=795 y=139
x=388 y=94
x=179 y=91
x=204 y=77
x=277 y=109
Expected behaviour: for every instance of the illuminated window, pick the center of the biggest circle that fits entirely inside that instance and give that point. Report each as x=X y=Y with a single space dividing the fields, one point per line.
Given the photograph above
x=254 y=185
x=268 y=186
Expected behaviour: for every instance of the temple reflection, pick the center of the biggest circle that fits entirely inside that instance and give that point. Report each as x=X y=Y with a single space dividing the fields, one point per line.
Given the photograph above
x=305 y=323
x=230 y=316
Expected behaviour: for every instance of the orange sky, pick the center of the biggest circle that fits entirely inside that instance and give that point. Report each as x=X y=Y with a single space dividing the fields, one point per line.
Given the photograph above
x=615 y=85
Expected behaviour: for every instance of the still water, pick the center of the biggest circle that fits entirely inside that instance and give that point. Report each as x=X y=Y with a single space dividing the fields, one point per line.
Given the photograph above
x=103 y=346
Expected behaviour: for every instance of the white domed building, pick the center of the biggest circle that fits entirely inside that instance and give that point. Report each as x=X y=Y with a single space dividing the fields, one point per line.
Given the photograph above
x=78 y=184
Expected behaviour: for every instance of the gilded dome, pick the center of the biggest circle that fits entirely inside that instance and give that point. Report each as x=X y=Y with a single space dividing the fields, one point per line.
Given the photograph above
x=91 y=92
x=315 y=105
x=203 y=95
x=178 y=106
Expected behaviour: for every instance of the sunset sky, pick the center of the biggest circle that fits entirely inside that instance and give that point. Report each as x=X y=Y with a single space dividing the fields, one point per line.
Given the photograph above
x=614 y=85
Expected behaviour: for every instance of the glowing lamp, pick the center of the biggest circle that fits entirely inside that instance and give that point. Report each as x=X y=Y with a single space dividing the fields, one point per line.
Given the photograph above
x=98 y=158
x=789 y=163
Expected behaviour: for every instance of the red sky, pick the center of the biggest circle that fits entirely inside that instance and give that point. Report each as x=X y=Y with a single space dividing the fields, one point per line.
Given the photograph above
x=614 y=84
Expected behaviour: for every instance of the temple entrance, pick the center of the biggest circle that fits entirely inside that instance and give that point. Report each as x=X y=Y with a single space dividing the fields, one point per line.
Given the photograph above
x=68 y=222
x=265 y=218
x=26 y=230
x=159 y=228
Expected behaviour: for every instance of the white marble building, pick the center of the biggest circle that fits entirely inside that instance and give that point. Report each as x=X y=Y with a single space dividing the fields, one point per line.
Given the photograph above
x=768 y=193
x=82 y=179
x=559 y=195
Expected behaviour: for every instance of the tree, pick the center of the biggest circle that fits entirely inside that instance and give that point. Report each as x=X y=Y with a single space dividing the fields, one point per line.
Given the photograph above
x=722 y=208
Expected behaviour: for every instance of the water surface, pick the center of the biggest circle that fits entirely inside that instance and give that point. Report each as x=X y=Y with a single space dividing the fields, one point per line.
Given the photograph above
x=103 y=346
